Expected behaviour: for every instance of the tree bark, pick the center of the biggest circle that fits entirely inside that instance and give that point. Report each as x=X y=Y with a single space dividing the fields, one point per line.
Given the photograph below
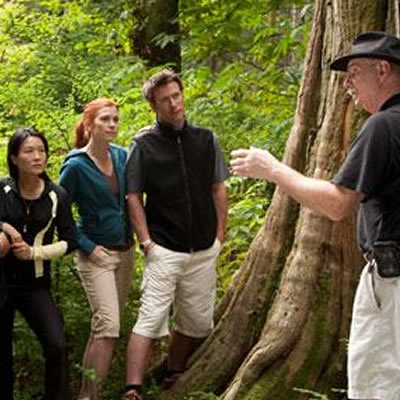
x=156 y=18
x=285 y=320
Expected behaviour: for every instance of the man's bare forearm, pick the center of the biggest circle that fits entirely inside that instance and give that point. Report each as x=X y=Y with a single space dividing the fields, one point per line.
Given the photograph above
x=221 y=207
x=137 y=216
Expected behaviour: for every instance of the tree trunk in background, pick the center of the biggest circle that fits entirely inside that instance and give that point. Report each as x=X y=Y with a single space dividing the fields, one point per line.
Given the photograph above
x=285 y=320
x=157 y=20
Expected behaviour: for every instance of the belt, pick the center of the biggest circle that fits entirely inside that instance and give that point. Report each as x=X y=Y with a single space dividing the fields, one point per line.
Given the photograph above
x=120 y=247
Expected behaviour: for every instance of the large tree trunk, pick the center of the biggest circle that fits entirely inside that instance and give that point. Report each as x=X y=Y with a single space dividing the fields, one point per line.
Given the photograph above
x=286 y=317
x=156 y=34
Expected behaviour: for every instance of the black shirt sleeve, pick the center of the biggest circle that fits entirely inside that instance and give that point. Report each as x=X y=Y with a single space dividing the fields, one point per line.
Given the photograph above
x=221 y=169
x=65 y=224
x=367 y=164
x=134 y=173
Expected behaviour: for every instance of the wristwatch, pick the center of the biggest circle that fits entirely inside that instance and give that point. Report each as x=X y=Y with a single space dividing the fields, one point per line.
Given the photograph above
x=143 y=245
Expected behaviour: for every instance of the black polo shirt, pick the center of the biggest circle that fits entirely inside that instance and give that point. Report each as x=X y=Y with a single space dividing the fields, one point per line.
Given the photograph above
x=373 y=168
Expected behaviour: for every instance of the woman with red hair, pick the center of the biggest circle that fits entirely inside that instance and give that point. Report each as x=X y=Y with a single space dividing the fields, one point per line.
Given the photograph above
x=94 y=176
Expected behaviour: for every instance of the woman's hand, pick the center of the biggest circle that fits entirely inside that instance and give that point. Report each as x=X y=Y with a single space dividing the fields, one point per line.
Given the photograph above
x=19 y=247
x=94 y=255
x=11 y=232
x=103 y=257
x=22 y=250
x=4 y=245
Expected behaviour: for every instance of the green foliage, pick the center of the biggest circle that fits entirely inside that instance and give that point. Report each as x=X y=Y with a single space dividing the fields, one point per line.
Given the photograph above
x=242 y=65
x=248 y=203
x=242 y=73
x=56 y=57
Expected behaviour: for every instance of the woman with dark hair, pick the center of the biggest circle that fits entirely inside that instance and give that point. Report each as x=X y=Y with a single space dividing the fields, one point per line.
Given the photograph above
x=31 y=209
x=94 y=176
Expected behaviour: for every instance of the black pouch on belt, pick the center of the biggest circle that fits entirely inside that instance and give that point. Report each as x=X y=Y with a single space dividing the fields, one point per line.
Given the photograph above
x=387 y=257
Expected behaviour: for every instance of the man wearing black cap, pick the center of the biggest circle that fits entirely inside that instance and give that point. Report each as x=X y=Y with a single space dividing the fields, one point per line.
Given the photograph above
x=369 y=178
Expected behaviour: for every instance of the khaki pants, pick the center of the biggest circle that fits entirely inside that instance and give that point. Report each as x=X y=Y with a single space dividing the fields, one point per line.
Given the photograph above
x=107 y=289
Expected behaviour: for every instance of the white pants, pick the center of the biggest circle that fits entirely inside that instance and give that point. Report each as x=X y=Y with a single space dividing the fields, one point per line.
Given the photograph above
x=187 y=280
x=374 y=346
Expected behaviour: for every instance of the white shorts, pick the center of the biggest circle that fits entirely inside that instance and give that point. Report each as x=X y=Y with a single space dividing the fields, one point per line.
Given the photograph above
x=186 y=280
x=374 y=346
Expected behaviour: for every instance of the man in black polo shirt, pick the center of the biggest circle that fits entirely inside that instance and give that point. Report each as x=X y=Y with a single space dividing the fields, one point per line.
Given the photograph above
x=181 y=170
x=369 y=178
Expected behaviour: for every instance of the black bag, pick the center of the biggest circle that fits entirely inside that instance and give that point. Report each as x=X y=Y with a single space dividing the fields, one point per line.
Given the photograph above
x=387 y=257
